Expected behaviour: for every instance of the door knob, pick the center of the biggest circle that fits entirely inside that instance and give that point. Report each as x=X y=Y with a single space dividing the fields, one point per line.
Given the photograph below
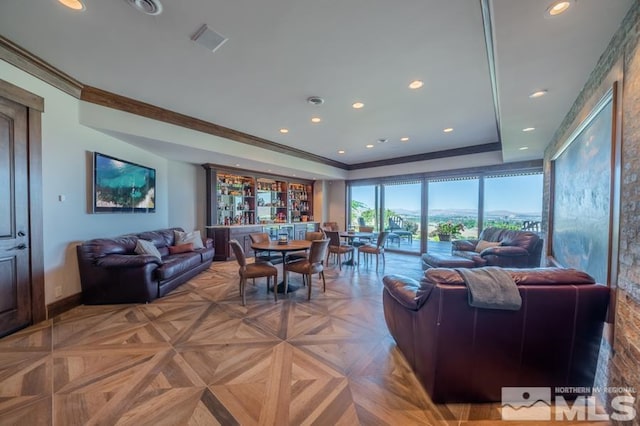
x=18 y=247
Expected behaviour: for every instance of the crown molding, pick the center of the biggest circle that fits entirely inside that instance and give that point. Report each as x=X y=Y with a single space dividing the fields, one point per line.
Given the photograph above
x=454 y=152
x=30 y=63
x=122 y=103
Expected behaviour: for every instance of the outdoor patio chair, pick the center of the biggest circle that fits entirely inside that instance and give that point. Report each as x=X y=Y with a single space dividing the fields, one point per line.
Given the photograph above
x=396 y=226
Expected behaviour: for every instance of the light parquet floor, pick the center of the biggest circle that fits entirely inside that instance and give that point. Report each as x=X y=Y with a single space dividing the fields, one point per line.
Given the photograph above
x=197 y=357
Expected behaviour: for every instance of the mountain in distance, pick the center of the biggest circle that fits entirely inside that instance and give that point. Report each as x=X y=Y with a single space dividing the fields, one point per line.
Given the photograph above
x=466 y=212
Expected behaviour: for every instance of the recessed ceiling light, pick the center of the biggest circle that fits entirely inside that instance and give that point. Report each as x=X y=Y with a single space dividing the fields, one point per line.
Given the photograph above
x=368 y=146
x=538 y=94
x=528 y=129
x=341 y=151
x=558 y=7
x=404 y=139
x=284 y=130
x=237 y=165
x=269 y=170
x=416 y=84
x=316 y=119
x=73 y=4
x=523 y=148
x=448 y=130
x=294 y=175
x=357 y=105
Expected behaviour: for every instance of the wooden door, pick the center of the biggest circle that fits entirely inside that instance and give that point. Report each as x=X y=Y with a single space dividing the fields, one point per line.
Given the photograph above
x=15 y=282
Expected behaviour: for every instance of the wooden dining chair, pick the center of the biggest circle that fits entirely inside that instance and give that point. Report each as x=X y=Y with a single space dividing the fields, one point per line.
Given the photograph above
x=330 y=226
x=309 y=236
x=253 y=270
x=377 y=249
x=314 y=264
x=363 y=240
x=264 y=255
x=337 y=248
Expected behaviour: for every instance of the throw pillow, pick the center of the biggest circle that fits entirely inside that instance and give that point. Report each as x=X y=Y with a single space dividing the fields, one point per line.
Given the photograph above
x=482 y=244
x=189 y=237
x=181 y=248
x=147 y=247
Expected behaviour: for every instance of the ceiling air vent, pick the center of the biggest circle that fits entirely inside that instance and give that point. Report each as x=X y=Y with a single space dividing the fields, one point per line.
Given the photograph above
x=208 y=38
x=150 y=7
x=315 y=100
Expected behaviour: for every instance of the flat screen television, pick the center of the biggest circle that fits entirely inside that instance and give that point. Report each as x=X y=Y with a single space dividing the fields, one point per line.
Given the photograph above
x=120 y=186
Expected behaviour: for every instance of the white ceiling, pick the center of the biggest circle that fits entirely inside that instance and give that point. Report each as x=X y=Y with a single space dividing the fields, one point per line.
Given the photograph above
x=280 y=52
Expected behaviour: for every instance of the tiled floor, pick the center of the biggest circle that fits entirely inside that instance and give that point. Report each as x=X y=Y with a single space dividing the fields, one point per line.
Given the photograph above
x=197 y=357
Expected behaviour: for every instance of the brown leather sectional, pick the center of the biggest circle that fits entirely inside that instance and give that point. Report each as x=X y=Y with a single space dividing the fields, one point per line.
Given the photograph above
x=465 y=354
x=111 y=272
x=517 y=249
x=513 y=249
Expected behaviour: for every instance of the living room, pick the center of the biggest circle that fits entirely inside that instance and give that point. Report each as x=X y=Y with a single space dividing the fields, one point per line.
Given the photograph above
x=75 y=126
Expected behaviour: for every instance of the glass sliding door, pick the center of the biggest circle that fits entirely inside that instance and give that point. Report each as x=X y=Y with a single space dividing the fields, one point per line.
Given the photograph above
x=453 y=212
x=365 y=205
x=513 y=202
x=402 y=215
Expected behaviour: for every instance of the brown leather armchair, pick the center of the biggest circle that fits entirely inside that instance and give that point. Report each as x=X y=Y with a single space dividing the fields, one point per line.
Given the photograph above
x=465 y=354
x=516 y=249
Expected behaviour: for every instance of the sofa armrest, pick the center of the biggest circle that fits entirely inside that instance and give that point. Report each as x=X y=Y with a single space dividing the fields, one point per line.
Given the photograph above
x=406 y=291
x=506 y=251
x=126 y=260
x=464 y=245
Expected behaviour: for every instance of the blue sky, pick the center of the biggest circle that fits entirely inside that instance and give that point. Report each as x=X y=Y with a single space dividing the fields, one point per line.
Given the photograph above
x=519 y=194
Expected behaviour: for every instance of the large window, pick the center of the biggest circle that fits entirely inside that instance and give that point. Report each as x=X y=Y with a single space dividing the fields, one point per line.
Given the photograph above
x=365 y=205
x=468 y=203
x=452 y=202
x=402 y=215
x=513 y=202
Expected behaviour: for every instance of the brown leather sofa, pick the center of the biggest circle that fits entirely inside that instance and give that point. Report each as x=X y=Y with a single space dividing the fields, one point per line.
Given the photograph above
x=465 y=354
x=111 y=272
x=512 y=249
x=517 y=249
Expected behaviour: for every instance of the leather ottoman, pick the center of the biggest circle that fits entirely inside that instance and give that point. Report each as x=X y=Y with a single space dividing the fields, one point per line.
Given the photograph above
x=435 y=260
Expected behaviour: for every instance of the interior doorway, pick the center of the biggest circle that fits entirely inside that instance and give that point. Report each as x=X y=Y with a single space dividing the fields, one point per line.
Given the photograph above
x=21 y=259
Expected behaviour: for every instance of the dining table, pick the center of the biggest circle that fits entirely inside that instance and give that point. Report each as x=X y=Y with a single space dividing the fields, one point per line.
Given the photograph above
x=350 y=236
x=291 y=245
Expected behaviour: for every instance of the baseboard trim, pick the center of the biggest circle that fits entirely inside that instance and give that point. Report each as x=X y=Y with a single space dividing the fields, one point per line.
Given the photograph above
x=63 y=305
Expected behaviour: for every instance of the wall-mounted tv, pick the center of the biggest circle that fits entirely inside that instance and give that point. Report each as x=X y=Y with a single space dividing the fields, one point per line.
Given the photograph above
x=120 y=186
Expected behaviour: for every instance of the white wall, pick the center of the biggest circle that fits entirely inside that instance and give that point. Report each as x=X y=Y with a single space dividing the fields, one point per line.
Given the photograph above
x=336 y=199
x=66 y=170
x=320 y=201
x=187 y=201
